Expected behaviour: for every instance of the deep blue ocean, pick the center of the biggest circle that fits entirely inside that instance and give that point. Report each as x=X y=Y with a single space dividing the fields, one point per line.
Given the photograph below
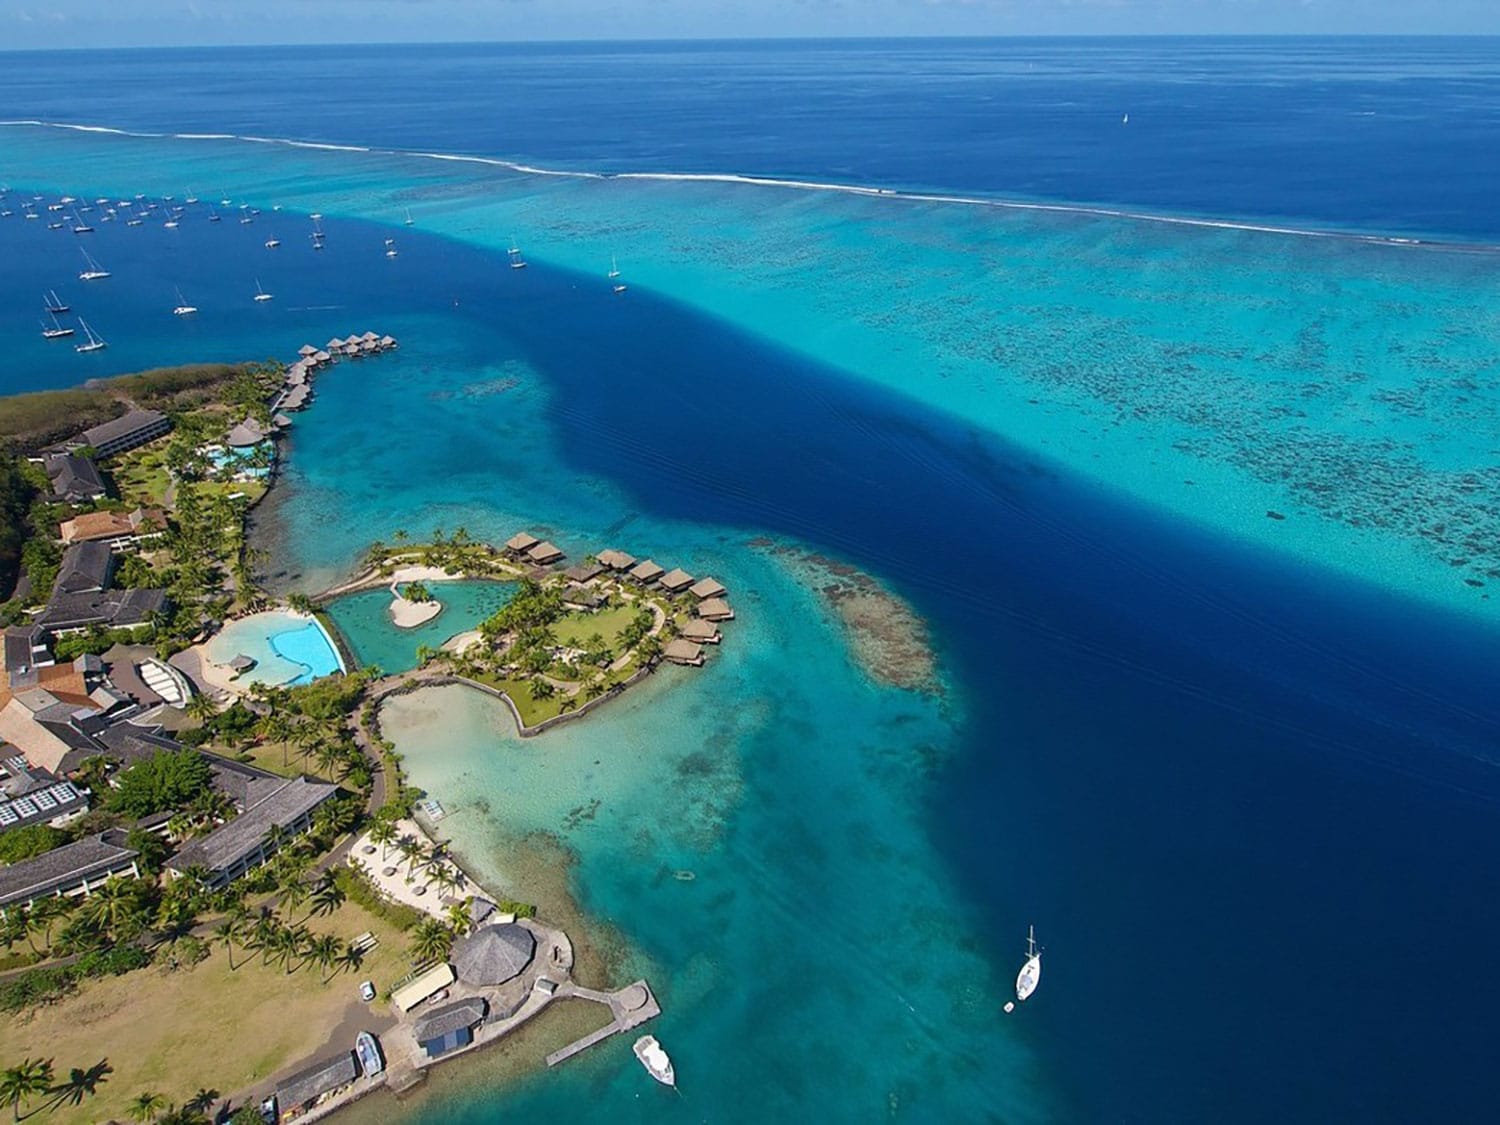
x=1250 y=805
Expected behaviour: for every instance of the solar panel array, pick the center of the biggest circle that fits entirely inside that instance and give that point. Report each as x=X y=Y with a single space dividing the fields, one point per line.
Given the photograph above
x=43 y=804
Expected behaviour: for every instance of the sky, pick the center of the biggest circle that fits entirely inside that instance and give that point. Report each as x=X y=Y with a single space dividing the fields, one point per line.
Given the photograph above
x=31 y=24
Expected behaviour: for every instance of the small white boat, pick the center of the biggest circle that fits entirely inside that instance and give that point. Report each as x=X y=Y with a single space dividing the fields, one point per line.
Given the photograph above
x=134 y=222
x=95 y=272
x=56 y=332
x=390 y=247
x=191 y=198
x=614 y=268
x=171 y=224
x=95 y=344
x=183 y=308
x=272 y=243
x=516 y=261
x=1031 y=972
x=409 y=219
x=368 y=1053
x=55 y=303
x=261 y=294
x=655 y=1060
x=213 y=216
x=81 y=227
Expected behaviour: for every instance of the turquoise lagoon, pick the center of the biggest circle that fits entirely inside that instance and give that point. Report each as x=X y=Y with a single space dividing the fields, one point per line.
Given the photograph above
x=364 y=620
x=288 y=648
x=995 y=411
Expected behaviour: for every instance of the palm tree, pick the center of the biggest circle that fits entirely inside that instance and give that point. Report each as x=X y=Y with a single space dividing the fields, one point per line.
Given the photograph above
x=325 y=951
x=201 y=707
x=202 y=1101
x=81 y=1084
x=294 y=892
x=410 y=851
x=286 y=947
x=115 y=905
x=47 y=911
x=382 y=832
x=458 y=918
x=430 y=940
x=327 y=895
x=22 y=1083
x=351 y=957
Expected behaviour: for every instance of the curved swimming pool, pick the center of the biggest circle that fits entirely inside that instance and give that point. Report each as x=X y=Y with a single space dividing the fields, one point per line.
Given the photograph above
x=288 y=648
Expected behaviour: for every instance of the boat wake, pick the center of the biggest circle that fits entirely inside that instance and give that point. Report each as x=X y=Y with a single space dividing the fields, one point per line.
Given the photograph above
x=999 y=203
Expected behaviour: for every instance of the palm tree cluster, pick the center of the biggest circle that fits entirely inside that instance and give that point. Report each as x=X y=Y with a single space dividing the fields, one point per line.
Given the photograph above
x=34 y=1079
x=151 y=1107
x=291 y=944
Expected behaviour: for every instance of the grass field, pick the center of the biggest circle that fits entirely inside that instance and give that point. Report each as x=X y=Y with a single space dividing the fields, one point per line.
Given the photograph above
x=575 y=628
x=176 y=1032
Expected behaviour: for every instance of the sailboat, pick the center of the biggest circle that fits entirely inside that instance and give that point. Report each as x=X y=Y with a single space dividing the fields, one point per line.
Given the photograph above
x=516 y=261
x=390 y=247
x=95 y=272
x=261 y=294
x=172 y=220
x=79 y=226
x=409 y=219
x=54 y=302
x=95 y=344
x=183 y=308
x=1031 y=972
x=272 y=243
x=57 y=331
x=191 y=198
x=213 y=216
x=614 y=273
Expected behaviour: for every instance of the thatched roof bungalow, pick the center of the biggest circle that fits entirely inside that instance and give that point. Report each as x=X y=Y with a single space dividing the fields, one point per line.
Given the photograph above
x=545 y=553
x=707 y=588
x=675 y=581
x=715 y=609
x=583 y=572
x=682 y=651
x=616 y=560
x=701 y=632
x=521 y=541
x=646 y=571
x=494 y=954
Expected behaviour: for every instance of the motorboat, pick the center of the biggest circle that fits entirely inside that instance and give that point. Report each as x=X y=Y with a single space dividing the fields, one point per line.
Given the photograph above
x=655 y=1060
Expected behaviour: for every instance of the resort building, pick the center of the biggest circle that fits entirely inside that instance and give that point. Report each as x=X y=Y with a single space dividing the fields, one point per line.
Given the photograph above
x=646 y=571
x=544 y=554
x=616 y=560
x=583 y=572
x=715 y=609
x=125 y=433
x=494 y=954
x=30 y=795
x=701 y=632
x=25 y=649
x=69 y=871
x=450 y=1027
x=86 y=568
x=521 y=542
x=51 y=730
x=73 y=479
x=112 y=527
x=247 y=841
x=112 y=609
x=706 y=588
x=305 y=1089
x=676 y=581
x=246 y=435
x=408 y=993
x=682 y=651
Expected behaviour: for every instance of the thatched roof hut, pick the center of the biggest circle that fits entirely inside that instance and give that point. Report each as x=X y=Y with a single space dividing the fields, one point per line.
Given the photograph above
x=521 y=541
x=616 y=560
x=707 y=588
x=494 y=954
x=646 y=571
x=682 y=651
x=715 y=609
x=676 y=581
x=544 y=553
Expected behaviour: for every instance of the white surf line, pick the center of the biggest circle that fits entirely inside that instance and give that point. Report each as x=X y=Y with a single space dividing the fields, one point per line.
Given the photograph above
x=801 y=185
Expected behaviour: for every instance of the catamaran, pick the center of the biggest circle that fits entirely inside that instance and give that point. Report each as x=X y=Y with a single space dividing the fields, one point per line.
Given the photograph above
x=95 y=344
x=55 y=303
x=516 y=261
x=1031 y=973
x=655 y=1060
x=95 y=272
x=57 y=331
x=183 y=308
x=261 y=294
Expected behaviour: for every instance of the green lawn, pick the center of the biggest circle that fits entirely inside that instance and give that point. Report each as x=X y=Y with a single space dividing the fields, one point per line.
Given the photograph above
x=575 y=628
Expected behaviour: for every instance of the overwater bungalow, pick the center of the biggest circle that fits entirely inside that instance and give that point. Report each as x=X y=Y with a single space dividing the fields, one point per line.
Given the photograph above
x=706 y=588
x=616 y=560
x=334 y=346
x=701 y=632
x=369 y=347
x=296 y=398
x=387 y=343
x=685 y=652
x=307 y=351
x=322 y=357
x=646 y=571
x=544 y=553
x=675 y=581
x=583 y=572
x=521 y=542
x=715 y=609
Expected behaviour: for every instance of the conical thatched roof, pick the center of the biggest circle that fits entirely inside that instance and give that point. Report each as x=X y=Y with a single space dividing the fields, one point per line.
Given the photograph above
x=494 y=954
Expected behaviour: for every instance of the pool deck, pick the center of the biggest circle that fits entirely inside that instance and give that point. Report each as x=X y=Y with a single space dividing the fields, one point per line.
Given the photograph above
x=217 y=680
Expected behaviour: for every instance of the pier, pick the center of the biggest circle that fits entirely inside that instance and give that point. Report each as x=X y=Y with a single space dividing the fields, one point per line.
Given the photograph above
x=629 y=1007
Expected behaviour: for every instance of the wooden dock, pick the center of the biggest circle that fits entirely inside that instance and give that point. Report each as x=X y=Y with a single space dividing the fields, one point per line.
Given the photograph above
x=629 y=1007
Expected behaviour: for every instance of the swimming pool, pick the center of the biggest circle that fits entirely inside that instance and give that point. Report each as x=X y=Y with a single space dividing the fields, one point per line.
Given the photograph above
x=364 y=619
x=288 y=648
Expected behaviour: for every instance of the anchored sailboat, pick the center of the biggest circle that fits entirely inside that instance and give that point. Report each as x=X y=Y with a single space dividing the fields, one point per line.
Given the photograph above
x=261 y=294
x=95 y=271
x=1031 y=972
x=54 y=302
x=57 y=331
x=95 y=344
x=516 y=261
x=409 y=219
x=183 y=308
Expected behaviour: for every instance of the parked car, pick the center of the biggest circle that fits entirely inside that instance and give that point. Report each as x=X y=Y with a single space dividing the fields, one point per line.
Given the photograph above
x=268 y=1110
x=367 y=991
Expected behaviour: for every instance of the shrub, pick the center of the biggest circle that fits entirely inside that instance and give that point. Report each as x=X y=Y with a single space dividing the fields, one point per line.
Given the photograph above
x=358 y=889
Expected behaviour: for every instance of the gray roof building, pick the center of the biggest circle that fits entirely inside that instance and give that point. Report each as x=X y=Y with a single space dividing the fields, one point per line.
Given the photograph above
x=449 y=1018
x=646 y=571
x=232 y=849
x=676 y=581
x=307 y=1086
x=544 y=553
x=114 y=609
x=616 y=560
x=133 y=429
x=71 y=869
x=85 y=568
x=74 y=479
x=521 y=541
x=494 y=954
x=707 y=588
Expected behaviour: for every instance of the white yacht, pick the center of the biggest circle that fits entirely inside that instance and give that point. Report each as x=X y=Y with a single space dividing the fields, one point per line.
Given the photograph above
x=1031 y=973
x=516 y=261
x=655 y=1060
x=57 y=331
x=95 y=272
x=183 y=308
x=95 y=344
x=261 y=294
